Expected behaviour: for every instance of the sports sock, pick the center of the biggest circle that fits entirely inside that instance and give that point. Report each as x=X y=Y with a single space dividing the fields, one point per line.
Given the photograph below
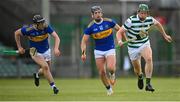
x=37 y=75
x=148 y=80
x=140 y=76
x=112 y=75
x=52 y=85
x=108 y=87
x=111 y=72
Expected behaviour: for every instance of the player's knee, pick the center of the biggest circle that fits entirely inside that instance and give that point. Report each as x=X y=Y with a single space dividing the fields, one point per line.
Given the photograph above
x=111 y=67
x=149 y=60
x=45 y=67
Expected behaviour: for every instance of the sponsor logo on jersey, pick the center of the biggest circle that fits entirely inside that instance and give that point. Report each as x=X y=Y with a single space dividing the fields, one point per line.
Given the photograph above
x=102 y=34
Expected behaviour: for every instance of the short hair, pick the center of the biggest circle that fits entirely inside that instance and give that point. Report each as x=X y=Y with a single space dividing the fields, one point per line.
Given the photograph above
x=95 y=8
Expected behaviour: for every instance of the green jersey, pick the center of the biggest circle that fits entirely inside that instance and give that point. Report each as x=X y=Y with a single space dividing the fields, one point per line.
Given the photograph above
x=137 y=29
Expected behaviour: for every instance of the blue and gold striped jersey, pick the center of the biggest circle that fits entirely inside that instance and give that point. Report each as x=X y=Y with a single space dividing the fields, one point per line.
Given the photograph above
x=37 y=38
x=102 y=33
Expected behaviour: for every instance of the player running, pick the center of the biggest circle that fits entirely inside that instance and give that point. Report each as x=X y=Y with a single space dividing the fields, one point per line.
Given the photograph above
x=101 y=31
x=137 y=27
x=40 y=52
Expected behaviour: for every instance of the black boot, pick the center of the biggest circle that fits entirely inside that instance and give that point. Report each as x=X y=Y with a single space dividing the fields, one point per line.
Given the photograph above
x=56 y=90
x=36 y=79
x=140 y=82
x=149 y=88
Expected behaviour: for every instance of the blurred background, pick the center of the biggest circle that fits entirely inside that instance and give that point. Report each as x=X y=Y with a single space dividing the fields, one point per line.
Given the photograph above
x=69 y=18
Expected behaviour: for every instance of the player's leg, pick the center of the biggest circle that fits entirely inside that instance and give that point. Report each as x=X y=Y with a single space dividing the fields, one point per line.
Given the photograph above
x=52 y=84
x=134 y=54
x=137 y=66
x=40 y=71
x=111 y=66
x=37 y=76
x=47 y=56
x=45 y=68
x=147 y=55
x=100 y=62
x=138 y=71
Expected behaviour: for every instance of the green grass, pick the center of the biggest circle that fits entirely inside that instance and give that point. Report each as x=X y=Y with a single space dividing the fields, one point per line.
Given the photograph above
x=167 y=89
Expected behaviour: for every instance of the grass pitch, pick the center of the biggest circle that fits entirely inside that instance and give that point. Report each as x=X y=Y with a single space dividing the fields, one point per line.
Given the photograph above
x=166 y=89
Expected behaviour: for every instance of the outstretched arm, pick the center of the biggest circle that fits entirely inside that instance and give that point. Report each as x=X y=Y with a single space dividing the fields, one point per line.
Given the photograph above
x=56 y=44
x=161 y=29
x=18 y=43
x=121 y=34
x=83 y=46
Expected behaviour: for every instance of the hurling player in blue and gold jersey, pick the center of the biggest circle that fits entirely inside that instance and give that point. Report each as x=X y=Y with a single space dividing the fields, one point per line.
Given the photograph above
x=101 y=30
x=40 y=52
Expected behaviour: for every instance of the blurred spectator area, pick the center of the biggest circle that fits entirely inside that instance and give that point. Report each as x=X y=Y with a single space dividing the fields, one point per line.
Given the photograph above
x=15 y=14
x=70 y=17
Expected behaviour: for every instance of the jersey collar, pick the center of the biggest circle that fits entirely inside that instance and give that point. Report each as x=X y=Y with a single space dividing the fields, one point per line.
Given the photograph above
x=99 y=22
x=139 y=18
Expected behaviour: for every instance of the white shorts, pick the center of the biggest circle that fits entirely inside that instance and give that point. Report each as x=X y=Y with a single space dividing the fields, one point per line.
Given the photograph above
x=46 y=55
x=135 y=53
x=100 y=54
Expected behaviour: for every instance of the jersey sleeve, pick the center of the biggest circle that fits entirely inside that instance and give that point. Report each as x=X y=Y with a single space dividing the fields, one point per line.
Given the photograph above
x=24 y=31
x=87 y=31
x=127 y=24
x=49 y=29
x=112 y=23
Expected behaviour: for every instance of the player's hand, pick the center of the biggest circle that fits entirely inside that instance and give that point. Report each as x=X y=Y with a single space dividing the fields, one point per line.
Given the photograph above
x=120 y=43
x=57 y=52
x=21 y=50
x=83 y=56
x=168 y=38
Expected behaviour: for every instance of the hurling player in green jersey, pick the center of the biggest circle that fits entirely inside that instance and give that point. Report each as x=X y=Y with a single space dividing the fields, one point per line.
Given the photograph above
x=137 y=27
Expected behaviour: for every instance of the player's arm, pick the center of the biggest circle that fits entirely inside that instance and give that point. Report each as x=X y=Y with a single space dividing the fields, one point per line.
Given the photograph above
x=161 y=29
x=117 y=28
x=121 y=34
x=17 y=35
x=83 y=46
x=56 y=43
